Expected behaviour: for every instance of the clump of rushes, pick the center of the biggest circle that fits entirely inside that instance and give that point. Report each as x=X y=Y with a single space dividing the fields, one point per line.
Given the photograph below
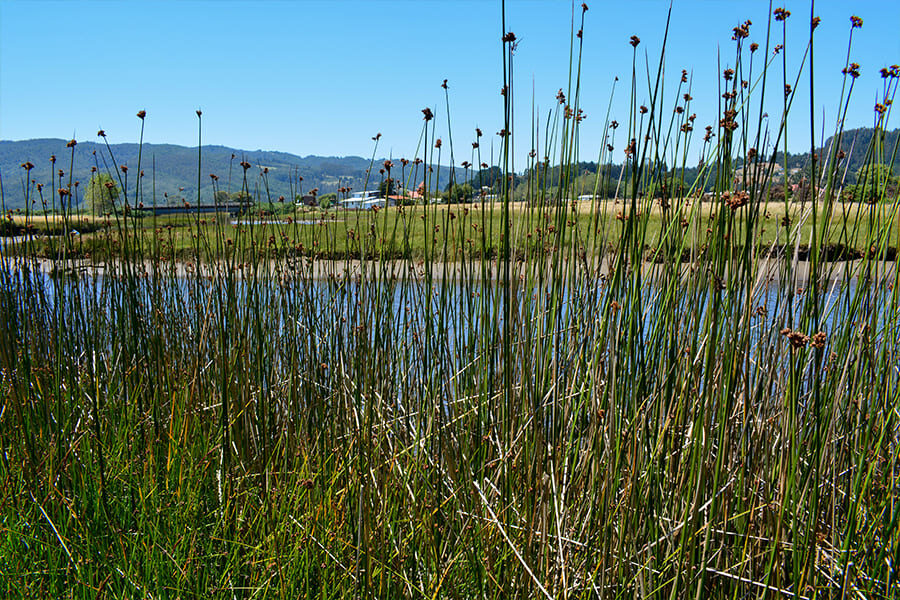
x=514 y=394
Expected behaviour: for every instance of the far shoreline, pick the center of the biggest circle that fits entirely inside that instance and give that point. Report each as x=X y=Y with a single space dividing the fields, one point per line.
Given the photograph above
x=324 y=269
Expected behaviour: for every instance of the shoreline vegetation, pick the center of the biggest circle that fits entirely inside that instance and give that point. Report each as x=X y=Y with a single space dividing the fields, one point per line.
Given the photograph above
x=303 y=268
x=460 y=231
x=538 y=399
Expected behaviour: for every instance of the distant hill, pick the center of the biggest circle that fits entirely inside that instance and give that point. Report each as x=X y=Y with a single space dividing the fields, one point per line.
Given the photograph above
x=855 y=144
x=173 y=169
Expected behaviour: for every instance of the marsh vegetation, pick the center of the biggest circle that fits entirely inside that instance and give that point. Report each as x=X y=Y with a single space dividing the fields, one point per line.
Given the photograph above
x=656 y=395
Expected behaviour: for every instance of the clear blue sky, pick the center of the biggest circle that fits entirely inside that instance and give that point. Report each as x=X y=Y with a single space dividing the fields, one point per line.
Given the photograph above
x=312 y=77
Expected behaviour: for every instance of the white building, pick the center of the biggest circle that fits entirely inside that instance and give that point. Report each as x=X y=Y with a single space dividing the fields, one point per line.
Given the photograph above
x=362 y=201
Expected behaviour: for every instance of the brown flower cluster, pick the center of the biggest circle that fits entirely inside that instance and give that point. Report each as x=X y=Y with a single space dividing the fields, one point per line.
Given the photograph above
x=742 y=31
x=818 y=340
x=736 y=200
x=728 y=123
x=781 y=14
x=428 y=114
x=855 y=22
x=635 y=40
x=798 y=339
x=852 y=70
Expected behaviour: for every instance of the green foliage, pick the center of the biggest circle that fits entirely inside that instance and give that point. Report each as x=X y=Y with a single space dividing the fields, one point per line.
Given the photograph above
x=101 y=194
x=874 y=183
x=327 y=200
x=386 y=187
x=459 y=192
x=223 y=197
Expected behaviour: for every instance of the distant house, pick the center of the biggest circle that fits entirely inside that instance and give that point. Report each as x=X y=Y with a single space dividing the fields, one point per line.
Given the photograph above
x=362 y=201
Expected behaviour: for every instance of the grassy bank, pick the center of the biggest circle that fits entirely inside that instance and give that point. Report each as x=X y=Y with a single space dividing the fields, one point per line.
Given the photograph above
x=464 y=231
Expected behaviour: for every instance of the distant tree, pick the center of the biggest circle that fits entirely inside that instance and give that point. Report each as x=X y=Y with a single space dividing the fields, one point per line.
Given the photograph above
x=874 y=183
x=776 y=192
x=326 y=200
x=458 y=192
x=101 y=194
x=386 y=187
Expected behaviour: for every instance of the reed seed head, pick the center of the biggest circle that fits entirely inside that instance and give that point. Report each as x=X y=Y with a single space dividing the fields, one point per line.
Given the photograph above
x=141 y=114
x=71 y=144
x=818 y=340
x=852 y=70
x=855 y=22
x=742 y=31
x=781 y=14
x=428 y=114
x=635 y=40
x=27 y=166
